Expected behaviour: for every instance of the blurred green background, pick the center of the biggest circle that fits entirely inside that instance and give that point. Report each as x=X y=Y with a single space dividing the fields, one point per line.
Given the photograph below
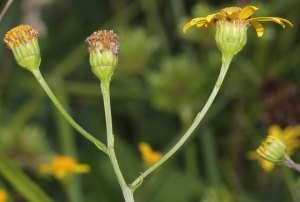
x=163 y=79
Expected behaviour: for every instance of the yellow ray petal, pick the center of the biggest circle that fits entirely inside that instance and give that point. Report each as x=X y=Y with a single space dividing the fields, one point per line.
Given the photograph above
x=232 y=15
x=60 y=174
x=144 y=147
x=286 y=21
x=291 y=133
x=188 y=25
x=201 y=24
x=81 y=168
x=209 y=23
x=266 y=165
x=197 y=20
x=275 y=130
x=210 y=18
x=252 y=155
x=258 y=27
x=247 y=11
x=272 y=19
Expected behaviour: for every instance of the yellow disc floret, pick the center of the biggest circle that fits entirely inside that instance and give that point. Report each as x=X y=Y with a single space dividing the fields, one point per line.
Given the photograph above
x=20 y=34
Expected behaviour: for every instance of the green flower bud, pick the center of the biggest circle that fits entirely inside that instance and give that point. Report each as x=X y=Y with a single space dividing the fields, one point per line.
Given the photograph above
x=273 y=150
x=22 y=40
x=103 y=47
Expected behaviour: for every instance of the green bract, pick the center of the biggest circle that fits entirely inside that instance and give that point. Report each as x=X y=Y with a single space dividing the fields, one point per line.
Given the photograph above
x=231 y=37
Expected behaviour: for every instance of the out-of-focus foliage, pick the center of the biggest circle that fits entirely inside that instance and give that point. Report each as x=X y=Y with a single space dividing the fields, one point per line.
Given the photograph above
x=162 y=81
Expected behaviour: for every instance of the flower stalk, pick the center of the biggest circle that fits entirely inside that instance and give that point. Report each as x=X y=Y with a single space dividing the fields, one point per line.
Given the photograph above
x=23 y=41
x=127 y=193
x=290 y=163
x=231 y=37
x=48 y=91
x=225 y=65
x=103 y=47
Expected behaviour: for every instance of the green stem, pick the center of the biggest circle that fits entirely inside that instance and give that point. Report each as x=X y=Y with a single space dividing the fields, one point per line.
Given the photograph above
x=29 y=190
x=225 y=64
x=43 y=83
x=8 y=3
x=127 y=193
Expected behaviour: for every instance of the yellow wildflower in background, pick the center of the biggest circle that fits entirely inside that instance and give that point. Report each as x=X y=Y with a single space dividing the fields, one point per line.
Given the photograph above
x=238 y=16
x=149 y=156
x=3 y=196
x=61 y=166
x=273 y=149
x=290 y=136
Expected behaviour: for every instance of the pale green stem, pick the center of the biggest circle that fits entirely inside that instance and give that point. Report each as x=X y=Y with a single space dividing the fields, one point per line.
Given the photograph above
x=225 y=64
x=45 y=86
x=127 y=193
x=8 y=3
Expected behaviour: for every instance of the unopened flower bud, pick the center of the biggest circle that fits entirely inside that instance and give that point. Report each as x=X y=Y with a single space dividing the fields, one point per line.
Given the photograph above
x=273 y=150
x=22 y=40
x=103 y=47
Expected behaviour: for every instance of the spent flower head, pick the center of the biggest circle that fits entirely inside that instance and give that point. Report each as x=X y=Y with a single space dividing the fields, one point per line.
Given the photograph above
x=232 y=24
x=103 y=47
x=22 y=40
x=61 y=166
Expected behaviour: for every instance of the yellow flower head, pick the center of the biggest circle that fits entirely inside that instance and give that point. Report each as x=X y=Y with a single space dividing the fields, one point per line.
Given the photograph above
x=237 y=16
x=290 y=136
x=61 y=166
x=103 y=47
x=149 y=156
x=232 y=24
x=22 y=40
x=3 y=196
